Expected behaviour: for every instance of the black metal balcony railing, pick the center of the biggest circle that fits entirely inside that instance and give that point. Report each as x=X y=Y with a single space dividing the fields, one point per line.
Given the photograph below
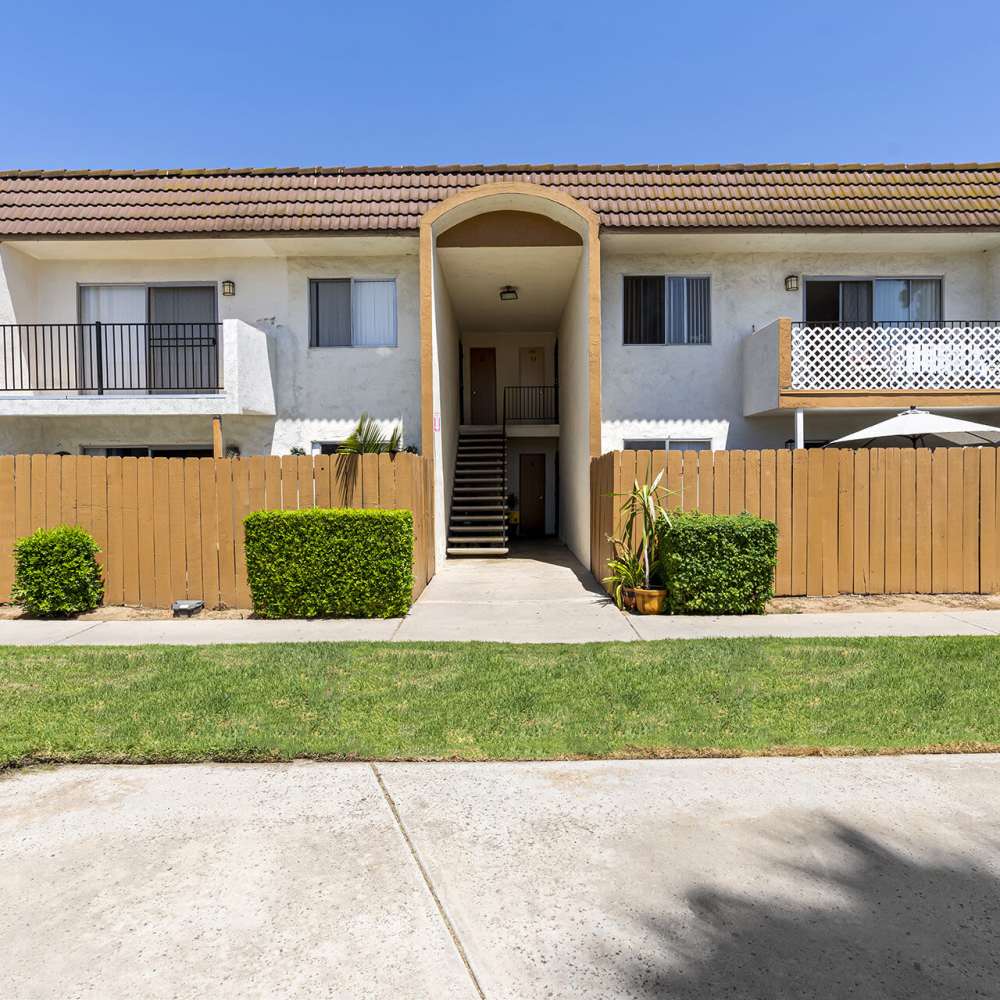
x=530 y=404
x=111 y=357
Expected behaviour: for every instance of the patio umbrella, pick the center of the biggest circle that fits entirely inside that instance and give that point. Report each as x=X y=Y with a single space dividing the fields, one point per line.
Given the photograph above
x=920 y=425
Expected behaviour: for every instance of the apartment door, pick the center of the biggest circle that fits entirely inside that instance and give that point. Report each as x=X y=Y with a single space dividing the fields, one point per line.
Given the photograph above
x=183 y=339
x=531 y=362
x=112 y=358
x=531 y=499
x=483 y=384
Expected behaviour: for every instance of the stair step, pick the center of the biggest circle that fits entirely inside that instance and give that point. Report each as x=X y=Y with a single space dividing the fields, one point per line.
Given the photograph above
x=477 y=552
x=474 y=539
x=479 y=518
x=466 y=528
x=489 y=490
x=478 y=508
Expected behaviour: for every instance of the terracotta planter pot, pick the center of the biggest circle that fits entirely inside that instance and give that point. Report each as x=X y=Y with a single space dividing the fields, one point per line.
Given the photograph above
x=650 y=602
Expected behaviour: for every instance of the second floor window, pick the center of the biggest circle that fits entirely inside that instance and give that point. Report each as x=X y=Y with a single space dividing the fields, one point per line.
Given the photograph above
x=662 y=309
x=861 y=301
x=352 y=312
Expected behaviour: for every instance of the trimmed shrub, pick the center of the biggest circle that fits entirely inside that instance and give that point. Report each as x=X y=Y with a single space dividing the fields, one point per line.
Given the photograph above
x=718 y=564
x=330 y=563
x=56 y=573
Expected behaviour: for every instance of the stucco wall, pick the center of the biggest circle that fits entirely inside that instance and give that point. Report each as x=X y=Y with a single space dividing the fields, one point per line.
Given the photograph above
x=574 y=402
x=696 y=391
x=320 y=392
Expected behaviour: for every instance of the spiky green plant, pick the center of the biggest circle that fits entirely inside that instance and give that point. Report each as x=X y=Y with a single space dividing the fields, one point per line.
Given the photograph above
x=367 y=438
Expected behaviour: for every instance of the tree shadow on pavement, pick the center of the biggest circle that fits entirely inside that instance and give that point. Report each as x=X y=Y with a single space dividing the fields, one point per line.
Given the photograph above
x=876 y=924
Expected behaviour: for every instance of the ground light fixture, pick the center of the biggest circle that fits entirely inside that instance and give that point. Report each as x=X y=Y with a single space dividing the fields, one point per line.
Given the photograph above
x=508 y=293
x=229 y=288
x=792 y=283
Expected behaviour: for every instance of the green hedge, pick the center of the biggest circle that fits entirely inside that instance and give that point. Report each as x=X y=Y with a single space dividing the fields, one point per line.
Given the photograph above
x=718 y=564
x=330 y=563
x=56 y=573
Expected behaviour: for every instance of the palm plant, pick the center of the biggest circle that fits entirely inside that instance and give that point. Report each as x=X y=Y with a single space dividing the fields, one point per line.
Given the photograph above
x=367 y=438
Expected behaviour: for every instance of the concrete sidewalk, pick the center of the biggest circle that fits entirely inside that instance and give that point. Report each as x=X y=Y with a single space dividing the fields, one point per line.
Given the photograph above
x=540 y=593
x=804 y=877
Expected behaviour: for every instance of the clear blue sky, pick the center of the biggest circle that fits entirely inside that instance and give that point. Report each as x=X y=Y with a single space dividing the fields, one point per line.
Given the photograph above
x=110 y=84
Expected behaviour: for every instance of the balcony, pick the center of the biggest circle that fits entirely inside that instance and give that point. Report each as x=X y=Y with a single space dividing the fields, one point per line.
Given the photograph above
x=531 y=410
x=119 y=369
x=790 y=365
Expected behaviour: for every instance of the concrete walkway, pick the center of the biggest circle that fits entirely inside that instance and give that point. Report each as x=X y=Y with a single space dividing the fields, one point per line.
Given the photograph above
x=868 y=877
x=540 y=593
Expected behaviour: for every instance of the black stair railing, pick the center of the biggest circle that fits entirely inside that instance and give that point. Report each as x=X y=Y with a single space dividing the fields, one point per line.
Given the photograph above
x=111 y=357
x=530 y=404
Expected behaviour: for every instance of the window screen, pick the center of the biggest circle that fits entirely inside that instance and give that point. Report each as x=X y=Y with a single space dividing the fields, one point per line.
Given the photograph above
x=667 y=310
x=644 y=310
x=330 y=313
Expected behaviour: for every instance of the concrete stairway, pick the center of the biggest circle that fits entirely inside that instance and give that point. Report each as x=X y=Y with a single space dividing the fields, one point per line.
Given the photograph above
x=478 y=522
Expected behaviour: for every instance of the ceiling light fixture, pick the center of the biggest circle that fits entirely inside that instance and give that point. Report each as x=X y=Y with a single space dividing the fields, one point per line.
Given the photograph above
x=508 y=293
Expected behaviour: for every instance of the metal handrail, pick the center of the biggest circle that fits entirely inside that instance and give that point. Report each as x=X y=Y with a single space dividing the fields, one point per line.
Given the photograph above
x=111 y=357
x=530 y=404
x=930 y=324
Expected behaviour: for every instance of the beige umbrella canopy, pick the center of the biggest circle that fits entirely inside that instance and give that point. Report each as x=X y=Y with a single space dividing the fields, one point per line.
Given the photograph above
x=922 y=429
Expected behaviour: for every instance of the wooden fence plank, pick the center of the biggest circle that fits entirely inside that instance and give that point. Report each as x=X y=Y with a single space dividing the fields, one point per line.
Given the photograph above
x=130 y=530
x=800 y=524
x=7 y=525
x=210 y=531
x=53 y=490
x=720 y=491
x=845 y=520
x=272 y=482
x=862 y=550
x=147 y=551
x=737 y=482
x=922 y=520
x=386 y=482
x=752 y=471
x=84 y=487
x=162 y=589
x=307 y=491
x=813 y=540
x=783 y=518
x=22 y=495
x=908 y=521
x=939 y=521
x=689 y=498
x=224 y=507
x=258 y=487
x=241 y=507
x=37 y=492
x=321 y=472
x=988 y=576
x=99 y=508
x=178 y=542
x=876 y=520
x=192 y=529
x=956 y=533
x=768 y=461
x=892 y=521
x=68 y=494
x=831 y=553
x=369 y=481
x=706 y=481
x=289 y=482
x=970 y=520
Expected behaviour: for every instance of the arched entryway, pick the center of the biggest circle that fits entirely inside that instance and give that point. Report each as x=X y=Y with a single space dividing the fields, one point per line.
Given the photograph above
x=510 y=296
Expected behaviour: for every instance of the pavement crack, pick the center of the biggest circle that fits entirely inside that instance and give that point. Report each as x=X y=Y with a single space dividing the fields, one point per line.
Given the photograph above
x=425 y=875
x=66 y=638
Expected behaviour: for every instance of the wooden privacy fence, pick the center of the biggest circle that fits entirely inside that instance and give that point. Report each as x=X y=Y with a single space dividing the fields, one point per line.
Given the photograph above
x=171 y=528
x=870 y=521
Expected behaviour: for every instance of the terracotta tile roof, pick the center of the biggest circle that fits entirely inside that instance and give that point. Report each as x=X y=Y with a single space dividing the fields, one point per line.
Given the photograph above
x=392 y=199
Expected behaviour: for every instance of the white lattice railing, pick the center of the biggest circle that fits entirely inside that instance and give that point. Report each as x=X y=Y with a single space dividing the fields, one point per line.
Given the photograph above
x=949 y=355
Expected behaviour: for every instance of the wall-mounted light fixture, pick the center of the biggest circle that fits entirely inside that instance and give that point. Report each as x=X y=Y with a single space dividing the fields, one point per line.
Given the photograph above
x=792 y=283
x=229 y=288
x=508 y=293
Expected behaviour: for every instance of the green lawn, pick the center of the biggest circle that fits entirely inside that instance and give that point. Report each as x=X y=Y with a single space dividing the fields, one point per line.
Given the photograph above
x=492 y=701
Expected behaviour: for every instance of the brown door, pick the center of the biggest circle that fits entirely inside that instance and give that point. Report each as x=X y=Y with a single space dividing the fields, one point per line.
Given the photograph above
x=531 y=497
x=483 y=384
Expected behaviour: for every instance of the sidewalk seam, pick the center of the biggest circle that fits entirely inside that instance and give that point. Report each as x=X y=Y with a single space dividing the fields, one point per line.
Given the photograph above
x=449 y=926
x=88 y=628
x=956 y=616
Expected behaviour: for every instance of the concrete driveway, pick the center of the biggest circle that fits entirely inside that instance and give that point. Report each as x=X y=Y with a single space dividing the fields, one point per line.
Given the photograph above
x=780 y=878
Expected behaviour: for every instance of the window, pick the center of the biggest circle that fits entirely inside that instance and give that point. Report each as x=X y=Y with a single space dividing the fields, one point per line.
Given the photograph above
x=326 y=447
x=644 y=444
x=151 y=451
x=352 y=312
x=667 y=310
x=689 y=444
x=880 y=300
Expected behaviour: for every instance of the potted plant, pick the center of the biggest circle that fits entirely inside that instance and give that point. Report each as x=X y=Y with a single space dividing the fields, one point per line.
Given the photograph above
x=637 y=552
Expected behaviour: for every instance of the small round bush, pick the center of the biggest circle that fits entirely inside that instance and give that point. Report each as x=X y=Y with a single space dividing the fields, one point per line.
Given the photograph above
x=56 y=573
